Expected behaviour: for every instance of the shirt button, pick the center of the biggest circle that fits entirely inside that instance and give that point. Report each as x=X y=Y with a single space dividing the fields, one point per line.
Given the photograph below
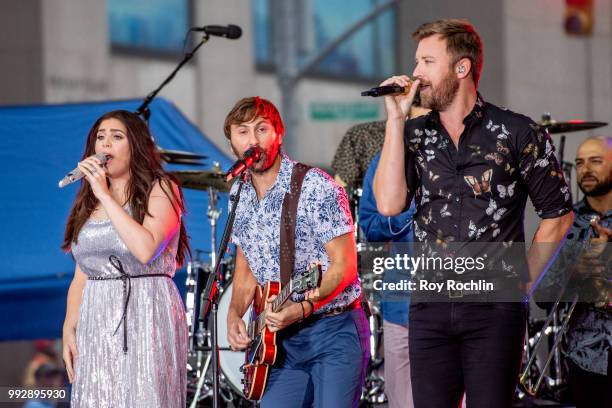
x=456 y=226
x=457 y=199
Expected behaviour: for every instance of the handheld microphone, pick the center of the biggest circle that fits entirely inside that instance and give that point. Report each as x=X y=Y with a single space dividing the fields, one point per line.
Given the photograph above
x=252 y=155
x=386 y=90
x=77 y=174
x=230 y=31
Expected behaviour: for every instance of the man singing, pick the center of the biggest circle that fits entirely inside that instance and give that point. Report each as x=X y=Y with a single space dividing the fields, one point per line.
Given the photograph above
x=470 y=167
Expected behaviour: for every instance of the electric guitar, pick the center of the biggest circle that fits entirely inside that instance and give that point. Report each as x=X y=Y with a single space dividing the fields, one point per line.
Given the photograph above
x=260 y=355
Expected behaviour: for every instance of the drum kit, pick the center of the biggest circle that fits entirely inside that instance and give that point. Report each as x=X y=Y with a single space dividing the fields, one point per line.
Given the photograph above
x=200 y=379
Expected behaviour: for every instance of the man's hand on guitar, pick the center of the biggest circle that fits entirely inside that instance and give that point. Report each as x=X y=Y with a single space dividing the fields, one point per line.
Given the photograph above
x=289 y=314
x=237 y=333
x=312 y=294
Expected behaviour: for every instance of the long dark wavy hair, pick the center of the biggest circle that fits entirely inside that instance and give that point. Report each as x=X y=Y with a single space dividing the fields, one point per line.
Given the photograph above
x=145 y=169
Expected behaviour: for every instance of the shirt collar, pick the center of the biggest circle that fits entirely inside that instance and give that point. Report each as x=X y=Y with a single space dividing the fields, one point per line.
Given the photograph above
x=477 y=112
x=583 y=207
x=283 y=180
x=475 y=115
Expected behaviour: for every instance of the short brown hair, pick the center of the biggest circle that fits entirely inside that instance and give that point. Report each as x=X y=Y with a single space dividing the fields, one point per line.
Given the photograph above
x=462 y=41
x=247 y=109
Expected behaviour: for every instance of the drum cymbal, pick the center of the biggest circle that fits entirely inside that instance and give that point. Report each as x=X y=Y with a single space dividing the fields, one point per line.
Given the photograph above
x=202 y=179
x=570 y=126
x=180 y=157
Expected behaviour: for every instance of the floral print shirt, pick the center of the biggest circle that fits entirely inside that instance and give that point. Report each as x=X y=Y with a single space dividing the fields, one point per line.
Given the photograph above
x=322 y=215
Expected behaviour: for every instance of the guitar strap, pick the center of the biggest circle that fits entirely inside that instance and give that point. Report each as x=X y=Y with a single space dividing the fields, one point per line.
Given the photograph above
x=288 y=221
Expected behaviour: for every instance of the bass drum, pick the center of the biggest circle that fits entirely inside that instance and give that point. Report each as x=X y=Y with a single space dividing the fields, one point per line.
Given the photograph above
x=229 y=361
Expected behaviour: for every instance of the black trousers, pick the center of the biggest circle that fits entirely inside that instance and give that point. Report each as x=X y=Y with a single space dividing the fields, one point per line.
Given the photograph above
x=590 y=390
x=471 y=347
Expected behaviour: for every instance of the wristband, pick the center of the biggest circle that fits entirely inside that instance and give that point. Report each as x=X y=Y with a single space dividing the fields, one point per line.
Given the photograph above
x=312 y=308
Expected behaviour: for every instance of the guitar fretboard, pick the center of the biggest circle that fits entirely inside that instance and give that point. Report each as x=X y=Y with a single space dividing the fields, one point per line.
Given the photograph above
x=282 y=297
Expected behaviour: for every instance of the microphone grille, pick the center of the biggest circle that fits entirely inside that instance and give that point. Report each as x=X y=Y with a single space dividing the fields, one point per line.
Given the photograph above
x=103 y=157
x=234 y=32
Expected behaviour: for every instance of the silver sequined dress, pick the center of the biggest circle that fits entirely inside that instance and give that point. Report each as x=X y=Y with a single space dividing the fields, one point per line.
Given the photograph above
x=153 y=372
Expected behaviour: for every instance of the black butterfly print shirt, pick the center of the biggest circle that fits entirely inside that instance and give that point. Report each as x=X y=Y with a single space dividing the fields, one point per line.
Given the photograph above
x=478 y=191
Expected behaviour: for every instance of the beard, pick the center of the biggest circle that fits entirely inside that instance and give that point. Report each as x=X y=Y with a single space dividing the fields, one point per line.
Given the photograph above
x=441 y=96
x=599 y=189
x=267 y=159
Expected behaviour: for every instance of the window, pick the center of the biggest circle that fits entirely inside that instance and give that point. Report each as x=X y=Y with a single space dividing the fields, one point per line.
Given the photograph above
x=370 y=53
x=149 y=26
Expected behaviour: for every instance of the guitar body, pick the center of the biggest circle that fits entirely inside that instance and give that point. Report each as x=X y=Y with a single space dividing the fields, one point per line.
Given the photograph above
x=261 y=353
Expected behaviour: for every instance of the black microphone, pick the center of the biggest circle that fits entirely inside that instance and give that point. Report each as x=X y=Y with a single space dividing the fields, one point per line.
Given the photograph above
x=230 y=31
x=250 y=157
x=386 y=90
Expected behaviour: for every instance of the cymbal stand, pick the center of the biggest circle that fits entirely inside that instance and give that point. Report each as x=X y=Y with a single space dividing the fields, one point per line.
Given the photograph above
x=566 y=168
x=213 y=215
x=195 y=282
x=196 y=397
x=201 y=335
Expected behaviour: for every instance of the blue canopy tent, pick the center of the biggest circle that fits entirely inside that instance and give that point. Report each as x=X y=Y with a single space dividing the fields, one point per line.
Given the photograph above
x=38 y=146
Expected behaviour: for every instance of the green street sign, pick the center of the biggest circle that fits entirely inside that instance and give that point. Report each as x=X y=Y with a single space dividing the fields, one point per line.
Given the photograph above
x=326 y=111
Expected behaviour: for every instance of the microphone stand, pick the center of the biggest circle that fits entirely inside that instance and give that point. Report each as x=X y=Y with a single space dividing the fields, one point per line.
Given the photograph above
x=143 y=109
x=212 y=291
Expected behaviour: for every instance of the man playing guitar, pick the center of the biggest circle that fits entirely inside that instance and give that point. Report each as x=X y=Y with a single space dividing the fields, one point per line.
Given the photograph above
x=323 y=340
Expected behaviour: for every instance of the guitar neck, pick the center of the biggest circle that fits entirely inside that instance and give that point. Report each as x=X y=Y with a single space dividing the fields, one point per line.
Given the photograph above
x=282 y=297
